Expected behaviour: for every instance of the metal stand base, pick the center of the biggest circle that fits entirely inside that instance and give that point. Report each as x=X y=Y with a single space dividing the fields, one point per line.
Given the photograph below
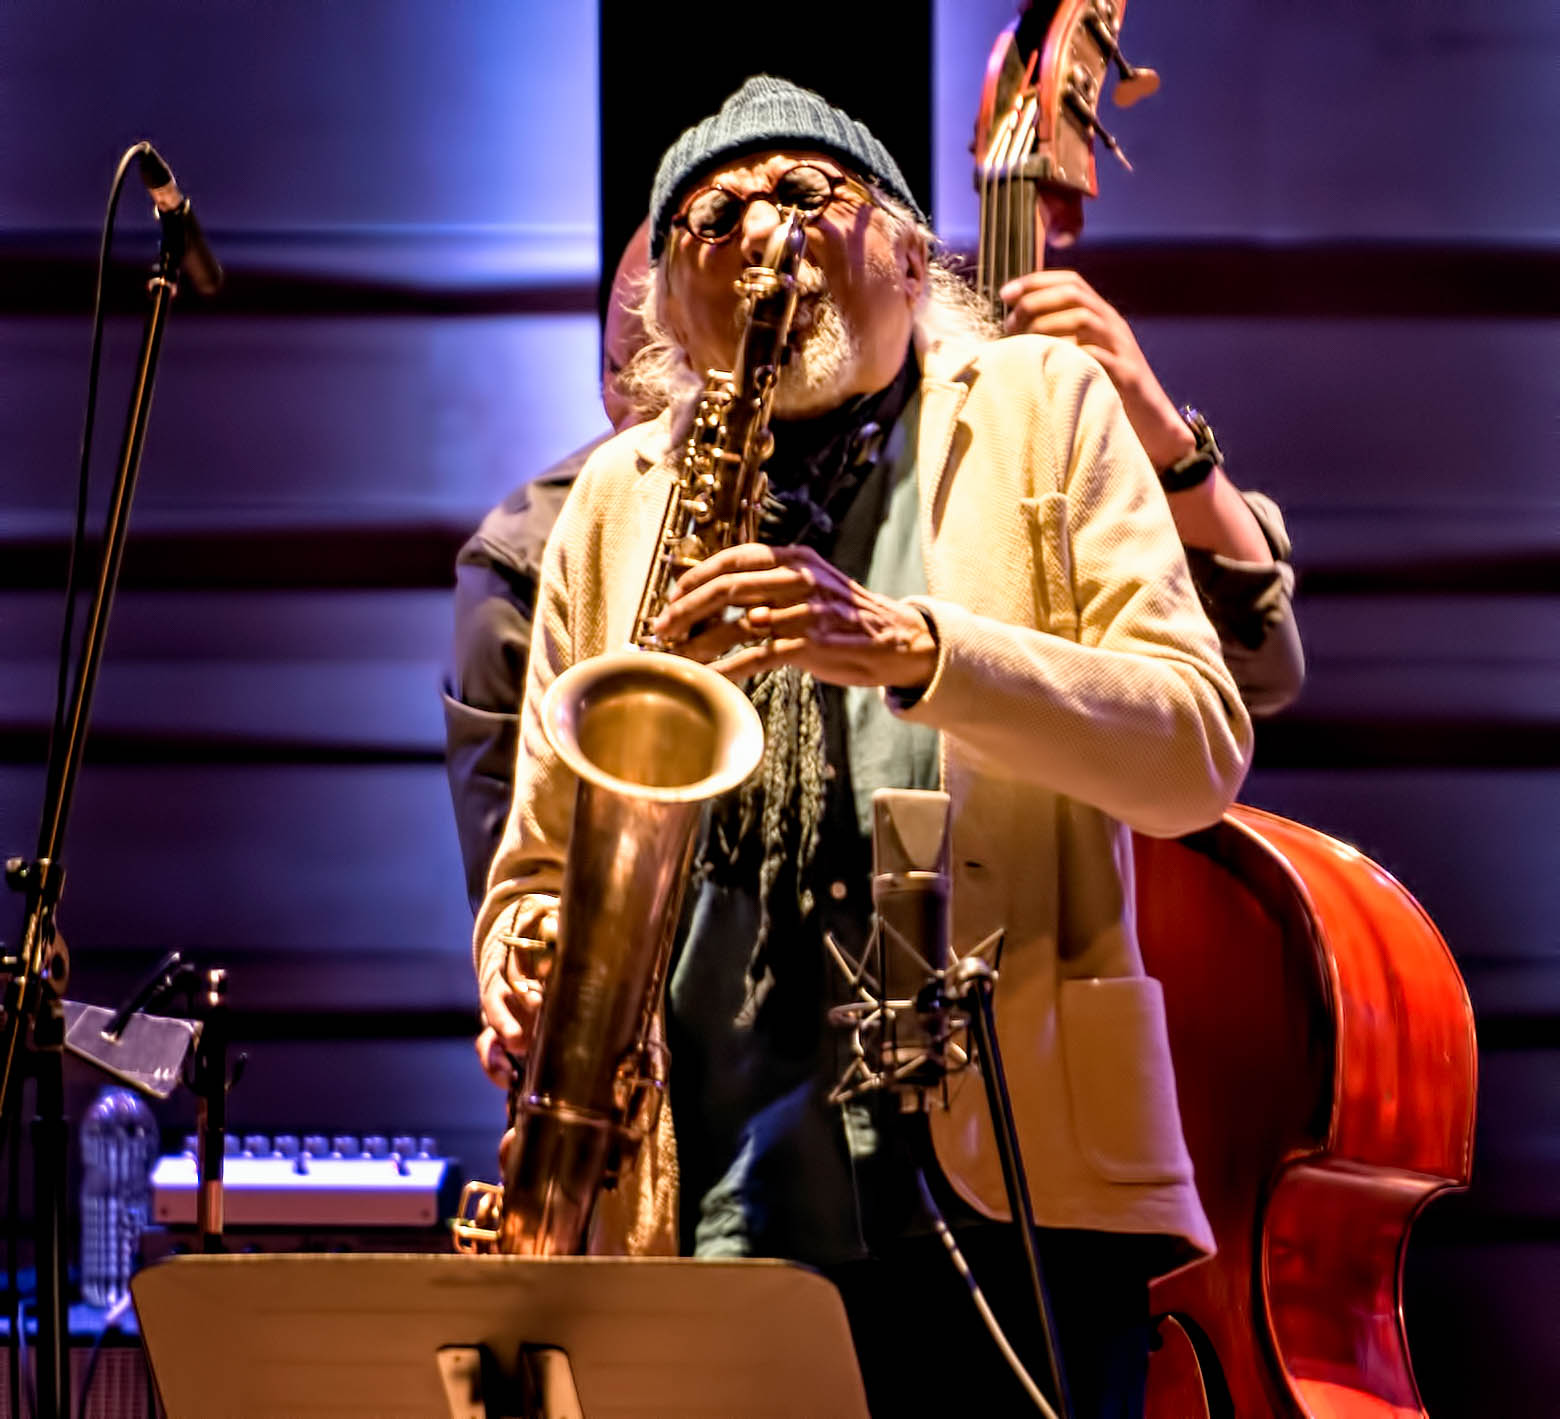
x=475 y=1387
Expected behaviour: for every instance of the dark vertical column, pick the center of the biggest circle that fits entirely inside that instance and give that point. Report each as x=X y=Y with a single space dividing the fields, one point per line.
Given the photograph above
x=665 y=66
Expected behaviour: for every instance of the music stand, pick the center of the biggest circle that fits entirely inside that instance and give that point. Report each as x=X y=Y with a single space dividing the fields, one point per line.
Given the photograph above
x=274 y=1337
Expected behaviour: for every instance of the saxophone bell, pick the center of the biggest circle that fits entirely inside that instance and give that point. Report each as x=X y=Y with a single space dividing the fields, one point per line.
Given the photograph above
x=651 y=737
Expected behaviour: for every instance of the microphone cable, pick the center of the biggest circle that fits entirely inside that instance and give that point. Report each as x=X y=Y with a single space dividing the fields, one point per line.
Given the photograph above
x=27 y=1391
x=113 y=1319
x=945 y=1233
x=16 y=1350
x=83 y=481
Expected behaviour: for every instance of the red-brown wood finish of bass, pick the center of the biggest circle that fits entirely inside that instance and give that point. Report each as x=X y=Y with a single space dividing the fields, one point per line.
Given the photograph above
x=1325 y=1061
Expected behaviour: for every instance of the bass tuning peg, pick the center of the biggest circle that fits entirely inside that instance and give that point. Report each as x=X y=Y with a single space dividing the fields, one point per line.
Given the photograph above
x=1085 y=113
x=1133 y=83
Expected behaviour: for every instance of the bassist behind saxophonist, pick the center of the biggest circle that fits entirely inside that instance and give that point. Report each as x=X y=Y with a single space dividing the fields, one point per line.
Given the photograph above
x=966 y=577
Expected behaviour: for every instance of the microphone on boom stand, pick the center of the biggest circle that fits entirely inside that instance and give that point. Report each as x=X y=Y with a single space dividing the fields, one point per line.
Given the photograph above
x=180 y=226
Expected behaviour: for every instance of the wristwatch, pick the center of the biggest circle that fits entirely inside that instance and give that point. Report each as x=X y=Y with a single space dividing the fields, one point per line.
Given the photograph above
x=1198 y=465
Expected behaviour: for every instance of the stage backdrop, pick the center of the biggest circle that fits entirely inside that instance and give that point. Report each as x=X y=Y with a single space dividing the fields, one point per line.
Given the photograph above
x=1339 y=241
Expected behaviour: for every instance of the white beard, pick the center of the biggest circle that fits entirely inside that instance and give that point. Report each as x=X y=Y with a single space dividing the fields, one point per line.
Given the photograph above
x=823 y=362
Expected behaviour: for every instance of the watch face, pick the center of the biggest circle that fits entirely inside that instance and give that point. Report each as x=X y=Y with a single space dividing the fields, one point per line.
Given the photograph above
x=1207 y=445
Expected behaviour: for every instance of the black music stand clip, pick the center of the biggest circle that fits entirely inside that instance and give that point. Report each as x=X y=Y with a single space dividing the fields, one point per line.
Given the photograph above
x=476 y=1386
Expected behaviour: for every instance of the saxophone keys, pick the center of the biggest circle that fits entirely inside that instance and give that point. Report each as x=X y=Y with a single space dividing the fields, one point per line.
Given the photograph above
x=476 y=1223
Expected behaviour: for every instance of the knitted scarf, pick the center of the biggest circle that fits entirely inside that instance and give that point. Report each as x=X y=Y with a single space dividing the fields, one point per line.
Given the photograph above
x=766 y=832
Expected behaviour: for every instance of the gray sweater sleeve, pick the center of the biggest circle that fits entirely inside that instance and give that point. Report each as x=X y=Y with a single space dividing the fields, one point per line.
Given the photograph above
x=1251 y=607
x=496 y=576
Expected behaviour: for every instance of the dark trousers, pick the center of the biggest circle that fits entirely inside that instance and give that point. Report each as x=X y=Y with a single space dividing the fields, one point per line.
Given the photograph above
x=923 y=1348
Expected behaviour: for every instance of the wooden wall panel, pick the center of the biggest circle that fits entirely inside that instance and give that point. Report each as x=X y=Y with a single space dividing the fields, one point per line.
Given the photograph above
x=274 y=673
x=357 y=710
x=1480 y=1318
x=266 y=422
x=1383 y=439
x=1475 y=846
x=215 y=627
x=296 y=858
x=294 y=115
x=1408 y=423
x=1298 y=122
x=291 y=859
x=1514 y=1163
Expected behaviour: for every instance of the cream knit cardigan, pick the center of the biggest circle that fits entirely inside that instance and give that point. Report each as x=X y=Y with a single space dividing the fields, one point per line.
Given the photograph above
x=1079 y=693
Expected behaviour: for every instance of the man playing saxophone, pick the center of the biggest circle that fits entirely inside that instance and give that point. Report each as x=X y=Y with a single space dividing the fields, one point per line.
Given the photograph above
x=966 y=577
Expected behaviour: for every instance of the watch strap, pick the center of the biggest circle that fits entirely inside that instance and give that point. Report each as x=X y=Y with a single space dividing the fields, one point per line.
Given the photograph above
x=1195 y=467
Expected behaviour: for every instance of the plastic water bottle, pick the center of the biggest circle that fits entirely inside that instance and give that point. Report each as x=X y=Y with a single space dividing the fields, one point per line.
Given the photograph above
x=118 y=1148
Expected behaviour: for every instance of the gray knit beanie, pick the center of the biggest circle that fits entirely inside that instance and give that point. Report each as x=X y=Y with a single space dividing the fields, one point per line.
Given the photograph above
x=768 y=113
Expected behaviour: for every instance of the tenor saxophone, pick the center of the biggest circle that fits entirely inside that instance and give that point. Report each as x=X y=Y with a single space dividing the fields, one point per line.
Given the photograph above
x=651 y=738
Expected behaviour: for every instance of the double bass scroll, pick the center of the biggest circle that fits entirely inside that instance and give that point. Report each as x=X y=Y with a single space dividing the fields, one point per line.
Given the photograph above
x=1034 y=135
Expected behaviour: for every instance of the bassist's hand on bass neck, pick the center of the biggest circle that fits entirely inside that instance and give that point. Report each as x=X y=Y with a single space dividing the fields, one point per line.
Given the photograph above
x=1210 y=513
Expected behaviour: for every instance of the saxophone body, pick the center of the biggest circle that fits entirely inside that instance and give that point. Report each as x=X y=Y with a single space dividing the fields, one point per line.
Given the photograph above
x=651 y=738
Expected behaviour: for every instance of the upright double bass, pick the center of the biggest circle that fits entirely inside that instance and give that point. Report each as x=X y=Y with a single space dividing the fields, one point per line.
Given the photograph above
x=1322 y=1035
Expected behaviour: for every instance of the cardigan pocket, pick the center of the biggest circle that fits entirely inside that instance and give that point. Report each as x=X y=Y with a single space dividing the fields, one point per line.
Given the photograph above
x=1056 y=608
x=1120 y=1082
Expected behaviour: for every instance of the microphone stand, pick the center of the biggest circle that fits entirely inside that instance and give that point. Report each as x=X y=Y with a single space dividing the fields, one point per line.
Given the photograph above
x=973 y=983
x=34 y=997
x=206 y=994
x=209 y=1080
x=963 y=990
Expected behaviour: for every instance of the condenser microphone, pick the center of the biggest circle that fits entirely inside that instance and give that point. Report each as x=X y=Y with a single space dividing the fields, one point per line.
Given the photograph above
x=910 y=895
x=180 y=225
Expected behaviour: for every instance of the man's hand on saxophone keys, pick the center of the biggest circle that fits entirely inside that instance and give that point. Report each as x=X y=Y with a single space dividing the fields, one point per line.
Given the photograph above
x=794 y=608
x=512 y=1001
